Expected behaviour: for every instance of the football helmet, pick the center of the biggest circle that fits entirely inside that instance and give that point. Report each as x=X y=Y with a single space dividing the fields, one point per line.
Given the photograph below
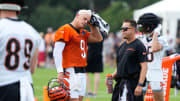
x=57 y=92
x=14 y=5
x=148 y=22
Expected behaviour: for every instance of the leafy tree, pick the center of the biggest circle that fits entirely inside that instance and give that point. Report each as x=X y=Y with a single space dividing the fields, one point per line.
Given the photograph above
x=136 y=4
x=30 y=7
x=144 y=3
x=44 y=13
x=46 y=16
x=72 y=5
x=115 y=15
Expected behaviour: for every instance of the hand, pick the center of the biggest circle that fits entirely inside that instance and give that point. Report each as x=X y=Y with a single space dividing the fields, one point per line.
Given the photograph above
x=94 y=20
x=60 y=78
x=155 y=35
x=138 y=91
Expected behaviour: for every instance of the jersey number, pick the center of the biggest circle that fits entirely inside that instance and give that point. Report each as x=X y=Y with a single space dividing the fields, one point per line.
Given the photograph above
x=150 y=54
x=82 y=46
x=13 y=48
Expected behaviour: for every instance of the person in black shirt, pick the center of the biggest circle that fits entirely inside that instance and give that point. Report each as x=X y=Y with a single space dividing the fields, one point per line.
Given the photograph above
x=131 y=66
x=95 y=65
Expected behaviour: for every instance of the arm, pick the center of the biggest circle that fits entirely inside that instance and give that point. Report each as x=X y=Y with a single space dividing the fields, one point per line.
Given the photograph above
x=57 y=53
x=114 y=74
x=142 y=77
x=156 y=46
x=143 y=72
x=34 y=61
x=95 y=35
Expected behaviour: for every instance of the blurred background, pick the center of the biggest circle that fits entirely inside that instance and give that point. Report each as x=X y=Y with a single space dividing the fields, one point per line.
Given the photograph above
x=48 y=15
x=54 y=13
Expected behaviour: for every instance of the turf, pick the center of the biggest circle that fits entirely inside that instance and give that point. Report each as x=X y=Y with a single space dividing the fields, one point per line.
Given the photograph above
x=42 y=76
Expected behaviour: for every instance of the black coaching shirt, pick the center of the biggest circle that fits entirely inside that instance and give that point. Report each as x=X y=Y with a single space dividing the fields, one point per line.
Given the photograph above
x=129 y=58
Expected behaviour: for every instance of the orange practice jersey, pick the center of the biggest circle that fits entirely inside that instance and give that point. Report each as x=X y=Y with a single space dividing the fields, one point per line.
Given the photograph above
x=75 y=50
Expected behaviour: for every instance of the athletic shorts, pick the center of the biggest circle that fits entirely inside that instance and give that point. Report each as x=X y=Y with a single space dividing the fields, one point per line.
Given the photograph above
x=156 y=86
x=41 y=57
x=17 y=91
x=10 y=92
x=95 y=65
x=76 y=82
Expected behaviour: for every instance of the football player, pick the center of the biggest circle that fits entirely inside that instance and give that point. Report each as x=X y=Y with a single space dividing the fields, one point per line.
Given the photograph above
x=19 y=43
x=70 y=52
x=150 y=26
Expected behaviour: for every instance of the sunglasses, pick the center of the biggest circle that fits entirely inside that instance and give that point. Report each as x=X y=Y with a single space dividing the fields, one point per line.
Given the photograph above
x=125 y=28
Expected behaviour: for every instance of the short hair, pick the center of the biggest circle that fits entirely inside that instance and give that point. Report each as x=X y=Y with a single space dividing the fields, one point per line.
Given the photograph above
x=132 y=22
x=84 y=11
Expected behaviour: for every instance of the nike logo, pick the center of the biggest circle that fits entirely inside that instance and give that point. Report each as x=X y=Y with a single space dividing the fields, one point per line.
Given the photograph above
x=131 y=49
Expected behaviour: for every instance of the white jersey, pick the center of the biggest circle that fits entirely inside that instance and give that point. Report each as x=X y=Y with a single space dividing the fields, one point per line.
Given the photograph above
x=18 y=41
x=154 y=72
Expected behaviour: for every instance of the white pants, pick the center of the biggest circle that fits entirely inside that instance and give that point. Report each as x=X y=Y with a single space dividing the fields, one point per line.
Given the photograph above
x=77 y=83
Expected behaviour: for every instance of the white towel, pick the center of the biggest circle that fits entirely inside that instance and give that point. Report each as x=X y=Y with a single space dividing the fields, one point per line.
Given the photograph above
x=124 y=94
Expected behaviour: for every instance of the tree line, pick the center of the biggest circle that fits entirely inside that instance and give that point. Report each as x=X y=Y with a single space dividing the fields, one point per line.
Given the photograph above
x=55 y=13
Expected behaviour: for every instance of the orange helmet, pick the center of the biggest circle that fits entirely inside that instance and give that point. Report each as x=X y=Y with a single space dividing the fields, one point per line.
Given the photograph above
x=57 y=92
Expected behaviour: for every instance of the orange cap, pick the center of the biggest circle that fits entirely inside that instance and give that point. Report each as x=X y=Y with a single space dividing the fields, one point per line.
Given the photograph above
x=109 y=75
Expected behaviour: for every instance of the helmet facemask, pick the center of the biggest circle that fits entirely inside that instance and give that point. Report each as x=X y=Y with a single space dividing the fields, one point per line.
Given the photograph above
x=57 y=92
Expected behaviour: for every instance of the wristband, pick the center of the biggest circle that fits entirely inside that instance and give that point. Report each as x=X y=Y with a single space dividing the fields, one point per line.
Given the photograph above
x=140 y=84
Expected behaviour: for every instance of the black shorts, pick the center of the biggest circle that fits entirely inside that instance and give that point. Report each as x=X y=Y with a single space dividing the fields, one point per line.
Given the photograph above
x=10 y=92
x=50 y=55
x=95 y=65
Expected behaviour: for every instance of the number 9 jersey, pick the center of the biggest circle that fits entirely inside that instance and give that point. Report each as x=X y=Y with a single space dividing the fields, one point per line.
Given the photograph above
x=75 y=50
x=18 y=41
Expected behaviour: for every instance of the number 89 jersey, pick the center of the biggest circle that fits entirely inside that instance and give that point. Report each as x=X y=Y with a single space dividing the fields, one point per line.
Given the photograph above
x=18 y=41
x=75 y=50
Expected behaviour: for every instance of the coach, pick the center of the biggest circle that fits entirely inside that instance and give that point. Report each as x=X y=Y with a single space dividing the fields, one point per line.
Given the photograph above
x=131 y=66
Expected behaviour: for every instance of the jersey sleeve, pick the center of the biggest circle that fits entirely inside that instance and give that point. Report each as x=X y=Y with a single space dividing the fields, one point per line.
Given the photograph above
x=142 y=53
x=62 y=34
x=37 y=36
x=163 y=42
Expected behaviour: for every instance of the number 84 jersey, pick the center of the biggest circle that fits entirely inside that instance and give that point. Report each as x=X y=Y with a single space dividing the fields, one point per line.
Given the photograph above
x=18 y=41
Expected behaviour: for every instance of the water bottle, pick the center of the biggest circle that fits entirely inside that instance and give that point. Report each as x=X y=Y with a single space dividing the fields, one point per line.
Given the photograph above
x=109 y=83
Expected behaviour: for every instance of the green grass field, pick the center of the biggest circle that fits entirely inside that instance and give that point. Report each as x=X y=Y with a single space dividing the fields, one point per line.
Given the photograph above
x=42 y=76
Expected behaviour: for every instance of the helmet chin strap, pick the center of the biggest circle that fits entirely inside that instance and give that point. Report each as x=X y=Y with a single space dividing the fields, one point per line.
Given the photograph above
x=149 y=36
